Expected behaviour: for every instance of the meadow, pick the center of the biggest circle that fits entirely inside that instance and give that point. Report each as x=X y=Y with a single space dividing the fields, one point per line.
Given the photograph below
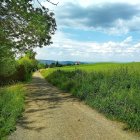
x=111 y=88
x=11 y=107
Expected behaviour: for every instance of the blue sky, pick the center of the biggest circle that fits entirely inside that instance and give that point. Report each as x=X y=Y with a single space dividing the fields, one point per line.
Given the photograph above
x=101 y=30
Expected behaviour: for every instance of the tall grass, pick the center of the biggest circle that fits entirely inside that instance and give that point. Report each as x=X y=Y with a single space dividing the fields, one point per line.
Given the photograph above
x=11 y=107
x=114 y=91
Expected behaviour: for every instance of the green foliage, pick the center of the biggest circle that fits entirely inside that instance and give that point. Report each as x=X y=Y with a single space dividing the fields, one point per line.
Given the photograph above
x=27 y=66
x=30 y=54
x=23 y=27
x=52 y=65
x=55 y=65
x=7 y=66
x=11 y=107
x=7 y=61
x=41 y=65
x=114 y=91
x=24 y=68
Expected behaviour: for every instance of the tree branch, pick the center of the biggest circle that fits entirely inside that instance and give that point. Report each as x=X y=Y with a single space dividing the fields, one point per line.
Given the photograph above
x=39 y=3
x=47 y=1
x=52 y=2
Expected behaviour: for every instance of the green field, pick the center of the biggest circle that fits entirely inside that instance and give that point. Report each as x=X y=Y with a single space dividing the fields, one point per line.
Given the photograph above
x=111 y=88
x=135 y=66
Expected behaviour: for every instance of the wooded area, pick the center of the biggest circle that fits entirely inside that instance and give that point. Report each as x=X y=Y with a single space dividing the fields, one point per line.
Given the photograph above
x=23 y=27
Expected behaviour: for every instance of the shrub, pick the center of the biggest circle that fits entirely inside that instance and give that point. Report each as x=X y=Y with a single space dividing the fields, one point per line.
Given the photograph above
x=25 y=68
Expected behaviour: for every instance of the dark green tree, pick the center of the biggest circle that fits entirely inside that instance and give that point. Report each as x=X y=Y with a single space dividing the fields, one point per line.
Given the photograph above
x=22 y=28
x=57 y=64
x=52 y=65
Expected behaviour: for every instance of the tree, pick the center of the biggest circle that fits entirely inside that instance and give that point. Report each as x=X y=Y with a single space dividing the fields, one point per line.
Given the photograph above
x=41 y=66
x=22 y=28
x=7 y=61
x=30 y=54
x=52 y=65
x=25 y=26
x=57 y=64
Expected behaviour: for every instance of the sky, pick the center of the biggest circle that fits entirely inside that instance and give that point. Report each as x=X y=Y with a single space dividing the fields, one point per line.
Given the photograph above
x=95 y=31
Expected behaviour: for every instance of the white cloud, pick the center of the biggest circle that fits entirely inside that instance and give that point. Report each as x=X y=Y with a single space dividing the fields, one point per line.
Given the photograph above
x=67 y=49
x=123 y=26
x=86 y=3
x=120 y=26
x=128 y=40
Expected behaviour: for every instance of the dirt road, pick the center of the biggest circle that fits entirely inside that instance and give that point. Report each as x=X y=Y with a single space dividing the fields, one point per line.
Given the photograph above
x=51 y=114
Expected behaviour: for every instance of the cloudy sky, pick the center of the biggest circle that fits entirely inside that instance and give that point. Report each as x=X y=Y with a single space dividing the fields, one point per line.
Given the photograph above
x=94 y=30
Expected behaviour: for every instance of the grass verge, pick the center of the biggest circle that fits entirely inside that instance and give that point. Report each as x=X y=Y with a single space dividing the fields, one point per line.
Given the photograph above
x=116 y=93
x=11 y=107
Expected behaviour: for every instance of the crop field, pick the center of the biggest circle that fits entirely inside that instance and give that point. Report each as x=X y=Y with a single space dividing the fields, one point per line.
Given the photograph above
x=111 y=88
x=102 y=67
x=106 y=66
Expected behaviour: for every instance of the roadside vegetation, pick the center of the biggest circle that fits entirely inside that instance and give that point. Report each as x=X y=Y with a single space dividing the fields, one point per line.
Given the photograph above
x=111 y=88
x=11 y=107
x=23 y=28
x=22 y=70
x=12 y=93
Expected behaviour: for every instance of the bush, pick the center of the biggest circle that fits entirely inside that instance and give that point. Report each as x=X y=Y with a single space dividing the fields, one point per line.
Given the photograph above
x=25 y=68
x=41 y=65
x=23 y=72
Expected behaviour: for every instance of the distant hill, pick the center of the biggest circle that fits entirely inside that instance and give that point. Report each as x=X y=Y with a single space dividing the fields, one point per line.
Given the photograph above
x=60 y=62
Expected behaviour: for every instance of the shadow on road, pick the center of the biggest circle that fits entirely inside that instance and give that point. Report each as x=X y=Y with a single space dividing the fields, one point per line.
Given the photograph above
x=41 y=99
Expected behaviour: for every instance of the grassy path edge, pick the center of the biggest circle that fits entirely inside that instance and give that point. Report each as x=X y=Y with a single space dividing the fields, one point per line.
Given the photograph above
x=118 y=100
x=11 y=108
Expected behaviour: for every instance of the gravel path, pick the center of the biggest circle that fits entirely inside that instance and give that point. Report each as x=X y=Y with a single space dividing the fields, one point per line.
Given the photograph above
x=51 y=114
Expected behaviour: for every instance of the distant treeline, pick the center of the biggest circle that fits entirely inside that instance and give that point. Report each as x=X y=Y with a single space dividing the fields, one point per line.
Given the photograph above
x=56 y=64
